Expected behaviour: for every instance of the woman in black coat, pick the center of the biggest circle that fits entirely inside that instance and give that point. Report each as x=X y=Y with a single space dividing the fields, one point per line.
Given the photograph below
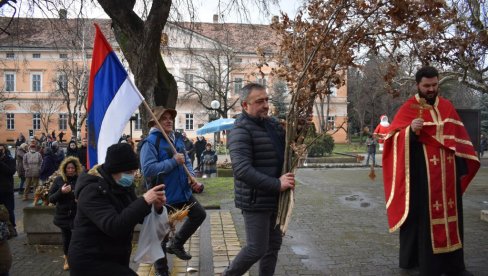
x=62 y=194
x=108 y=210
x=7 y=171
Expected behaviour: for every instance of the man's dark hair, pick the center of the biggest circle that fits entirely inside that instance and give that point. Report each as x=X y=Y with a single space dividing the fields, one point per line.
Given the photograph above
x=244 y=93
x=426 y=72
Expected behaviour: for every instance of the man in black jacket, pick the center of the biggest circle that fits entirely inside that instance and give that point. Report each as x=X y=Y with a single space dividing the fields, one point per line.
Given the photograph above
x=257 y=145
x=7 y=171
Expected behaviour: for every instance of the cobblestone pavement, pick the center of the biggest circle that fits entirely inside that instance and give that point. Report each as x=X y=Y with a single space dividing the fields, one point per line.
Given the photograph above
x=339 y=226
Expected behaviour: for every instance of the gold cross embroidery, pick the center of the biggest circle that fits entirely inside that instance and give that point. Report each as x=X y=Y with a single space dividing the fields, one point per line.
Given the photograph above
x=450 y=158
x=437 y=205
x=434 y=160
x=450 y=203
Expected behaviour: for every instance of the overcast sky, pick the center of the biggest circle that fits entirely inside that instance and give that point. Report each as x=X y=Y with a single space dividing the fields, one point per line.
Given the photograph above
x=205 y=9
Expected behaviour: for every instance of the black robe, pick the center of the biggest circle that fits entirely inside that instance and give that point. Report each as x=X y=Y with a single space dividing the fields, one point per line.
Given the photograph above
x=415 y=235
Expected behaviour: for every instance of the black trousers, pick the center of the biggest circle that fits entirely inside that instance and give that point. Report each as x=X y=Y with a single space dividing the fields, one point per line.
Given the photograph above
x=196 y=216
x=66 y=234
x=8 y=200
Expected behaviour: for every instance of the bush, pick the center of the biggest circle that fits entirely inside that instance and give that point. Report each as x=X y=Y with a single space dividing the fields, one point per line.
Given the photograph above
x=323 y=146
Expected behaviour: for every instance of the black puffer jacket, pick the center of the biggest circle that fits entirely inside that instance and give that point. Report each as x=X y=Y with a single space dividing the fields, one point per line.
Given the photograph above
x=104 y=224
x=255 y=146
x=65 y=202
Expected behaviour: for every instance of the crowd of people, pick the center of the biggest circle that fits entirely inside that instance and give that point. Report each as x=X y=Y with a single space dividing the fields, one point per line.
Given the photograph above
x=97 y=210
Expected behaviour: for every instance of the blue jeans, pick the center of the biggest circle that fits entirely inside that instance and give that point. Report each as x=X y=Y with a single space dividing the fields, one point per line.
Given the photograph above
x=372 y=157
x=263 y=240
x=21 y=185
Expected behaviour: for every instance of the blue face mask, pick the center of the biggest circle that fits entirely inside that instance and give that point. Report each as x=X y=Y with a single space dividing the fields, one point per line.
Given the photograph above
x=126 y=180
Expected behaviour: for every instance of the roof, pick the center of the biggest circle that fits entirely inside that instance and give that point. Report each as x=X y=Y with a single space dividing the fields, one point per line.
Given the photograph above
x=45 y=33
x=50 y=32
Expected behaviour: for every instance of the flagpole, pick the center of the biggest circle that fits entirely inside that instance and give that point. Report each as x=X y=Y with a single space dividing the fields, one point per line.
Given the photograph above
x=156 y=120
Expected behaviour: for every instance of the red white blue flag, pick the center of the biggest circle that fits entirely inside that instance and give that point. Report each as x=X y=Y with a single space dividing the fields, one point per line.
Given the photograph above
x=112 y=99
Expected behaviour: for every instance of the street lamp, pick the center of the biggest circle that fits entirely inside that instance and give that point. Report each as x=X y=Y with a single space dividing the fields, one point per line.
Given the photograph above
x=215 y=105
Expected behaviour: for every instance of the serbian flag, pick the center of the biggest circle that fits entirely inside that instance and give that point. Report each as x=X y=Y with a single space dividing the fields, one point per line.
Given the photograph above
x=112 y=99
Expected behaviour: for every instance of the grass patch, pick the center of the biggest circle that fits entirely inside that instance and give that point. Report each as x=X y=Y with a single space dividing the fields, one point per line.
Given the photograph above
x=217 y=189
x=350 y=148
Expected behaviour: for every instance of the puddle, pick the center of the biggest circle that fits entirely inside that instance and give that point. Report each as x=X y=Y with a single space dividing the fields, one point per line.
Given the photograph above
x=357 y=200
x=309 y=256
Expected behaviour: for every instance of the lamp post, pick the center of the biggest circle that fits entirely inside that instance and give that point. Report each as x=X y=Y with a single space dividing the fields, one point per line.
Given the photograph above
x=215 y=105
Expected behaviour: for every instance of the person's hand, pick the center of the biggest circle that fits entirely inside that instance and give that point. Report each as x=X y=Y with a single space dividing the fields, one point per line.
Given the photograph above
x=66 y=188
x=196 y=187
x=180 y=158
x=155 y=196
x=417 y=124
x=287 y=181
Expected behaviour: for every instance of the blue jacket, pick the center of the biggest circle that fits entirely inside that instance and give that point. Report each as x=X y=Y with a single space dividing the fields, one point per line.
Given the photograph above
x=175 y=179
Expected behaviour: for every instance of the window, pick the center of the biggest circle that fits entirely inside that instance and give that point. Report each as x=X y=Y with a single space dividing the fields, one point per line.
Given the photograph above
x=36 y=55
x=64 y=56
x=62 y=82
x=10 y=55
x=10 y=121
x=63 y=121
x=10 y=82
x=237 y=60
x=237 y=85
x=36 y=121
x=138 y=122
x=189 y=121
x=36 y=82
x=262 y=81
x=88 y=56
x=331 y=123
x=188 y=82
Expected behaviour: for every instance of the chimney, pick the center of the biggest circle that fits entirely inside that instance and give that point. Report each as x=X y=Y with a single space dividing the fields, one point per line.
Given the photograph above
x=215 y=18
x=63 y=14
x=274 y=19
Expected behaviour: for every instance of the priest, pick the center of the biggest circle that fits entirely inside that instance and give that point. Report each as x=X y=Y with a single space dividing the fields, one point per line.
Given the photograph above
x=428 y=162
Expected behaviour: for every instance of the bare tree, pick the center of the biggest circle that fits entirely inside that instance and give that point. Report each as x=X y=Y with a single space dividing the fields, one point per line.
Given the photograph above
x=213 y=80
x=44 y=105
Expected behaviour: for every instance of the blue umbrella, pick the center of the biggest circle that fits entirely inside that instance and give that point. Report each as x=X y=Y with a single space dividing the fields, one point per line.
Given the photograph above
x=216 y=126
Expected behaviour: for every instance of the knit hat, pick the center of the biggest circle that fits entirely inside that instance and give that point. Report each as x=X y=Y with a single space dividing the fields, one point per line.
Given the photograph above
x=158 y=112
x=120 y=158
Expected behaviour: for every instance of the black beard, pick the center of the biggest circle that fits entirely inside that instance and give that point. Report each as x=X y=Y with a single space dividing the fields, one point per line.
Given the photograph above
x=430 y=101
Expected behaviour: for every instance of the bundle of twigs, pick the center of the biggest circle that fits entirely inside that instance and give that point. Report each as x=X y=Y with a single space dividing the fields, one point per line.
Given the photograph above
x=177 y=215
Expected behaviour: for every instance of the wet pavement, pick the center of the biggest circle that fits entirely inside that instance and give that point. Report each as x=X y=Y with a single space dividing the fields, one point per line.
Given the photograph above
x=338 y=227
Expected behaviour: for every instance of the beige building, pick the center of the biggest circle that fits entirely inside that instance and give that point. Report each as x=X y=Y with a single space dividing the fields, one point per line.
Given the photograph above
x=40 y=58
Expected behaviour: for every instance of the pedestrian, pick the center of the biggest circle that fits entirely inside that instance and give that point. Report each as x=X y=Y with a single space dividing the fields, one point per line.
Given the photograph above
x=43 y=138
x=58 y=153
x=131 y=142
x=72 y=149
x=5 y=253
x=158 y=158
x=53 y=134
x=209 y=162
x=61 y=135
x=7 y=171
x=200 y=145
x=62 y=195
x=107 y=212
x=32 y=166
x=82 y=153
x=371 y=149
x=49 y=164
x=19 y=157
x=428 y=162
x=257 y=147
x=483 y=144
x=189 y=147
x=20 y=140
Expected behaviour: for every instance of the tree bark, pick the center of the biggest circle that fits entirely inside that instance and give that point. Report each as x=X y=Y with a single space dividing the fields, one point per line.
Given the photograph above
x=140 y=43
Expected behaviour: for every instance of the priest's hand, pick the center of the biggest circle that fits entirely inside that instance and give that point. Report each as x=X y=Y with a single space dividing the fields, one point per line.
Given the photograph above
x=417 y=124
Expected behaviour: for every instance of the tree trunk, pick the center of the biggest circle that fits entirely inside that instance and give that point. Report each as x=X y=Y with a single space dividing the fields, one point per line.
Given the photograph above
x=140 y=42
